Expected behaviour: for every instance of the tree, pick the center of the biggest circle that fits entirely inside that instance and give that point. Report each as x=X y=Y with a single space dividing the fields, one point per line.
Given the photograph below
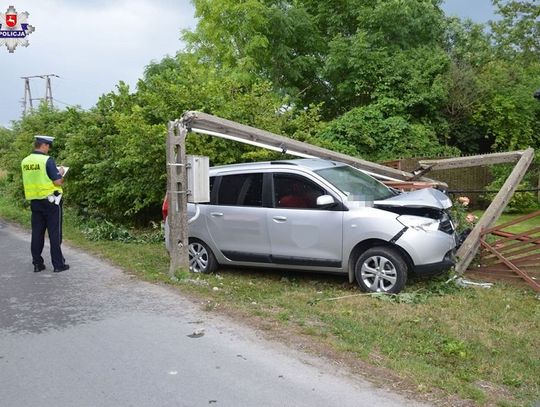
x=275 y=40
x=469 y=48
x=43 y=120
x=517 y=33
x=7 y=138
x=368 y=133
x=508 y=115
x=490 y=105
x=388 y=78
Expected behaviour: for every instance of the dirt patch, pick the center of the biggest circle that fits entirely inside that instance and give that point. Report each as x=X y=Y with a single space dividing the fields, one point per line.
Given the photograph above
x=495 y=391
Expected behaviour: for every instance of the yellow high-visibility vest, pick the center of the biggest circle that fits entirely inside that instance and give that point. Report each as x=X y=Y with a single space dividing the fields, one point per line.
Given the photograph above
x=37 y=185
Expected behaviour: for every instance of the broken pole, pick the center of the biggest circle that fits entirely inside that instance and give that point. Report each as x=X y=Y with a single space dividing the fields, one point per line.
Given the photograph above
x=468 y=249
x=205 y=123
x=471 y=161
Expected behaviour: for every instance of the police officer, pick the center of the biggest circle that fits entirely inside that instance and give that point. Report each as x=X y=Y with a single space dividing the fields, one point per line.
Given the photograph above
x=42 y=182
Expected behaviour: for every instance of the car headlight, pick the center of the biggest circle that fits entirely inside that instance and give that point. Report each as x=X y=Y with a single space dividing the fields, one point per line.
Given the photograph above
x=419 y=223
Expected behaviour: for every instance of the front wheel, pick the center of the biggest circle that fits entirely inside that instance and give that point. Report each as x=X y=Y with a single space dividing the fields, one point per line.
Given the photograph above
x=381 y=269
x=201 y=258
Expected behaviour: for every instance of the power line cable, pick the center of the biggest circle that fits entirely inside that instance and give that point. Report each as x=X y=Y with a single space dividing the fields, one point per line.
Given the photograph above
x=63 y=103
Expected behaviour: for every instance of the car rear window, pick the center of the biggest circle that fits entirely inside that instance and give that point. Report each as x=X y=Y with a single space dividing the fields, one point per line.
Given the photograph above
x=240 y=190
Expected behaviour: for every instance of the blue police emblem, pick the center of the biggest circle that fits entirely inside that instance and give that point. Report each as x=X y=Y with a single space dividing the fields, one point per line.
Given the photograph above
x=14 y=29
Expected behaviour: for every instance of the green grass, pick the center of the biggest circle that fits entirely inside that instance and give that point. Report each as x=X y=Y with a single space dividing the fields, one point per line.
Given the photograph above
x=478 y=344
x=520 y=227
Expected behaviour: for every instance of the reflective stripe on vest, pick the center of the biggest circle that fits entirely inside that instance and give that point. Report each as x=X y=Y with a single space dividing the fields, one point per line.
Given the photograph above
x=37 y=185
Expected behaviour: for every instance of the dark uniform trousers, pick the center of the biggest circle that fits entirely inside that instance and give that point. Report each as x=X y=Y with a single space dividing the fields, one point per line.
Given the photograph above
x=46 y=215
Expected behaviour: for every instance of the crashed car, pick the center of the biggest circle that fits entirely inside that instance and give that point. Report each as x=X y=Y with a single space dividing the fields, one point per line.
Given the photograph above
x=320 y=215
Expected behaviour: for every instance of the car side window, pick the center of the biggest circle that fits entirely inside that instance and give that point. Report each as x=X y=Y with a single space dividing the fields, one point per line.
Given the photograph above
x=293 y=191
x=240 y=190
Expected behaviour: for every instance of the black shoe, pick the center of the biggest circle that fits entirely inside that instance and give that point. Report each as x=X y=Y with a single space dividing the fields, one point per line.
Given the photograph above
x=39 y=267
x=63 y=268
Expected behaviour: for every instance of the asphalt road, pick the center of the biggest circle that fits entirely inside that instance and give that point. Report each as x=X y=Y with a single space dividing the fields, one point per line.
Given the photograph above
x=94 y=336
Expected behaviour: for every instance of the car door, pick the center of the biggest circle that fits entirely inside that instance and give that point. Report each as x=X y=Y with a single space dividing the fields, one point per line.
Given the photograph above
x=237 y=222
x=301 y=233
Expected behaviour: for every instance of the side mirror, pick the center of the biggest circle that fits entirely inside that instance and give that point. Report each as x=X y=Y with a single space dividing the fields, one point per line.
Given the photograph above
x=325 y=200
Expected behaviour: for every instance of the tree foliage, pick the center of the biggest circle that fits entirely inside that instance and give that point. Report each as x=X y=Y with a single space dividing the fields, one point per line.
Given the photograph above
x=277 y=41
x=517 y=32
x=492 y=78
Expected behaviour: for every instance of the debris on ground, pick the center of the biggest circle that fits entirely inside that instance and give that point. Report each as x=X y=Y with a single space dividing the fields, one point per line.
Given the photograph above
x=463 y=282
x=197 y=333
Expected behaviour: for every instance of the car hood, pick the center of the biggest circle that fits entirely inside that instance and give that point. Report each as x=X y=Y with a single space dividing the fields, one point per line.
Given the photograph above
x=421 y=198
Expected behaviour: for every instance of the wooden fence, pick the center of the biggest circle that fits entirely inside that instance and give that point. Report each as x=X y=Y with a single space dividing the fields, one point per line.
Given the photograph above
x=462 y=180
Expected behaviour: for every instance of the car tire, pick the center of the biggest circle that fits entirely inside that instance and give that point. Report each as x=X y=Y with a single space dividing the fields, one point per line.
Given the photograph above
x=201 y=258
x=381 y=269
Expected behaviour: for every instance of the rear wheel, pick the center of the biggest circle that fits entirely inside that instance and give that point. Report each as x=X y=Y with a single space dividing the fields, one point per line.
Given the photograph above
x=201 y=258
x=381 y=269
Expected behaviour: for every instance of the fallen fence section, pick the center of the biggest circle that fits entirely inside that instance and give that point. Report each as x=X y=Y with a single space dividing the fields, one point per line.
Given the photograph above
x=507 y=255
x=470 y=246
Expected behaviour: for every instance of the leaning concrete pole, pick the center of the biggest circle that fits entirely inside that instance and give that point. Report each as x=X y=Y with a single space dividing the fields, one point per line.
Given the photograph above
x=205 y=123
x=468 y=249
x=177 y=196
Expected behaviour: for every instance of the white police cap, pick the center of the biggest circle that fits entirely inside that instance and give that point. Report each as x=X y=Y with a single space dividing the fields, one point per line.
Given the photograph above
x=44 y=139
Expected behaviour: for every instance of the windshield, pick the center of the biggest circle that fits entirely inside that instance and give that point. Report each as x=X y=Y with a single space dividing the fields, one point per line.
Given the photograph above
x=355 y=184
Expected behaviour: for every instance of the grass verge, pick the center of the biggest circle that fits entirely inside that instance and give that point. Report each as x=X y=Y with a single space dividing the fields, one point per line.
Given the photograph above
x=479 y=345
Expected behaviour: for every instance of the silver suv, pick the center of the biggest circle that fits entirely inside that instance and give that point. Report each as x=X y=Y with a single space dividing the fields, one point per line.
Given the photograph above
x=324 y=216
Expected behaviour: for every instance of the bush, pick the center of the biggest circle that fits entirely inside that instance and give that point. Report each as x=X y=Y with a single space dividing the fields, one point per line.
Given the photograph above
x=105 y=230
x=521 y=202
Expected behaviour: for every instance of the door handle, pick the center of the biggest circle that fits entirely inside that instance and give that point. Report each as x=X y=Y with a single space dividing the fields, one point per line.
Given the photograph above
x=280 y=219
x=216 y=214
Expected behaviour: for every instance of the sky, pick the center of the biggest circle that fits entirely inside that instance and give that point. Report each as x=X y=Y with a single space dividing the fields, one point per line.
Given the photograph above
x=480 y=11
x=92 y=45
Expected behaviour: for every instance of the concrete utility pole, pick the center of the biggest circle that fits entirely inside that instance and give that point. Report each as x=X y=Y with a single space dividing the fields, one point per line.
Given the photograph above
x=27 y=101
x=177 y=192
